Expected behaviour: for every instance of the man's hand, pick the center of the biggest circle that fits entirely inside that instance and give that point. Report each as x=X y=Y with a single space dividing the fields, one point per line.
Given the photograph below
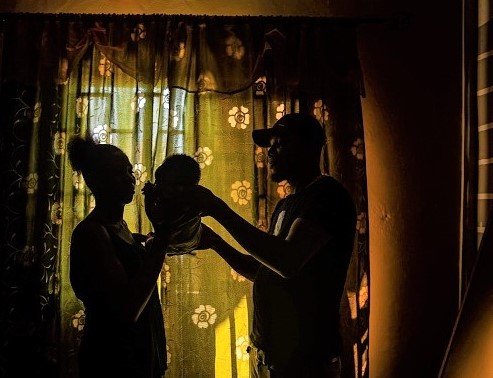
x=201 y=200
x=208 y=238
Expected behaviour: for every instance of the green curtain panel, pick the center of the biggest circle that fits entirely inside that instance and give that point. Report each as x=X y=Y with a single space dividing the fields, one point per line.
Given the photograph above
x=153 y=86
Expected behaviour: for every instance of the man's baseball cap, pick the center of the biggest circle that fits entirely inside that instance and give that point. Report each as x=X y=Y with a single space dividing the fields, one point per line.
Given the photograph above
x=303 y=126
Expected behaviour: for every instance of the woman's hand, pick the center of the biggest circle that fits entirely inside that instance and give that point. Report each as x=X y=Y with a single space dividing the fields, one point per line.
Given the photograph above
x=152 y=204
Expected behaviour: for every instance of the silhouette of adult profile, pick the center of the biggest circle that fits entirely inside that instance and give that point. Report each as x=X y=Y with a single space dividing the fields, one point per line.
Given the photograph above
x=113 y=274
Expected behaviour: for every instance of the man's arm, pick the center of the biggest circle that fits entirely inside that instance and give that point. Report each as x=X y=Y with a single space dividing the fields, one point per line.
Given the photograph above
x=284 y=256
x=242 y=263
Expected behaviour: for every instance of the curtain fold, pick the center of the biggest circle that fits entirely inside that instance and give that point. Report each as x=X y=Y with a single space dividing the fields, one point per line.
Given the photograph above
x=153 y=86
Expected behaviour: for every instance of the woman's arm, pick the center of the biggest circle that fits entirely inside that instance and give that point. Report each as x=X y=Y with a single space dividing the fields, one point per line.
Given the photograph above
x=97 y=272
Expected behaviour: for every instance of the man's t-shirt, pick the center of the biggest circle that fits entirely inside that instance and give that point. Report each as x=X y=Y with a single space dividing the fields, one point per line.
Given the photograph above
x=299 y=317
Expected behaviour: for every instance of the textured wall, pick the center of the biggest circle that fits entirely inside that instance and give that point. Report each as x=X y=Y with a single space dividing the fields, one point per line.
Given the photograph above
x=412 y=116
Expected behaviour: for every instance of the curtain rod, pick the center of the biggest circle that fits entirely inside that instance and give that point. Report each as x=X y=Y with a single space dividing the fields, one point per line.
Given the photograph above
x=397 y=21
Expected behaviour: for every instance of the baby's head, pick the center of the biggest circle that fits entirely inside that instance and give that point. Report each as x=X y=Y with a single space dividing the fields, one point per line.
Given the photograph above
x=176 y=172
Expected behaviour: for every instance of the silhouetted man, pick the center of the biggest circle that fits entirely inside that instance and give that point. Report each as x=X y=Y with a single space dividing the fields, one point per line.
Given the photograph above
x=299 y=266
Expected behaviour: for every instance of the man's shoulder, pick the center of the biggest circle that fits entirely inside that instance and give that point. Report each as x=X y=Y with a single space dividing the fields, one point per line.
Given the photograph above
x=326 y=183
x=328 y=190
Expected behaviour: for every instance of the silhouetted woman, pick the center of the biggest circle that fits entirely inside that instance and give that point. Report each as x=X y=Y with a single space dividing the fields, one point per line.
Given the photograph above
x=112 y=273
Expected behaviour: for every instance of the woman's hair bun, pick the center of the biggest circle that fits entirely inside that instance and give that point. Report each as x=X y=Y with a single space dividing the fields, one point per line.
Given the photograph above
x=78 y=148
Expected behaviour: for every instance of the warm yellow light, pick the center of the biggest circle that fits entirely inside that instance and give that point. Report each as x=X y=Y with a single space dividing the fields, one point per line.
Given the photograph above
x=224 y=349
x=242 y=340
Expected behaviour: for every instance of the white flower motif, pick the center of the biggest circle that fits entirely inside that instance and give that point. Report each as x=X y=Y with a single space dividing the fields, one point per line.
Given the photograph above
x=77 y=180
x=361 y=223
x=56 y=213
x=320 y=111
x=79 y=320
x=59 y=142
x=242 y=344
x=260 y=157
x=105 y=66
x=32 y=183
x=101 y=134
x=37 y=112
x=204 y=316
x=241 y=193
x=206 y=82
x=81 y=106
x=140 y=173
x=234 y=47
x=236 y=276
x=280 y=111
x=138 y=101
x=261 y=86
x=203 y=156
x=239 y=118
x=284 y=189
x=358 y=149
x=138 y=33
x=165 y=98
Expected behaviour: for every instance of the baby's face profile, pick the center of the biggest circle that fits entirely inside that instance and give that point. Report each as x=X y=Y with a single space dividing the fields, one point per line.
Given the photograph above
x=169 y=185
x=174 y=175
x=169 y=191
x=166 y=202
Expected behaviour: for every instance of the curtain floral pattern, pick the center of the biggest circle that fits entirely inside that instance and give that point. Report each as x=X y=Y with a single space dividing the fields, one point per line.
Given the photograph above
x=154 y=86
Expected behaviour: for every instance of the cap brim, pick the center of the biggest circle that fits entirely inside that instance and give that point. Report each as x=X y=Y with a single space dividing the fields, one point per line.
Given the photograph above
x=262 y=137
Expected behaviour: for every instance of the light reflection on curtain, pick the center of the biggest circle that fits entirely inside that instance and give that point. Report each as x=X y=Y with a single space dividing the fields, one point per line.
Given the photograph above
x=155 y=86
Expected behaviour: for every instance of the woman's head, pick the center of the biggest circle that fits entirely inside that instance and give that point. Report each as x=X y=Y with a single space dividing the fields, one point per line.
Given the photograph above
x=105 y=168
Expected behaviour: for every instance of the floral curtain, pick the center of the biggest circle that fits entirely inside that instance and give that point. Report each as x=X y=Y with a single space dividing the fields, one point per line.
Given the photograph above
x=153 y=86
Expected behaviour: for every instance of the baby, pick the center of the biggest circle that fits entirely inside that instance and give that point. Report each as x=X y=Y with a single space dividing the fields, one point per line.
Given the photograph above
x=165 y=202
